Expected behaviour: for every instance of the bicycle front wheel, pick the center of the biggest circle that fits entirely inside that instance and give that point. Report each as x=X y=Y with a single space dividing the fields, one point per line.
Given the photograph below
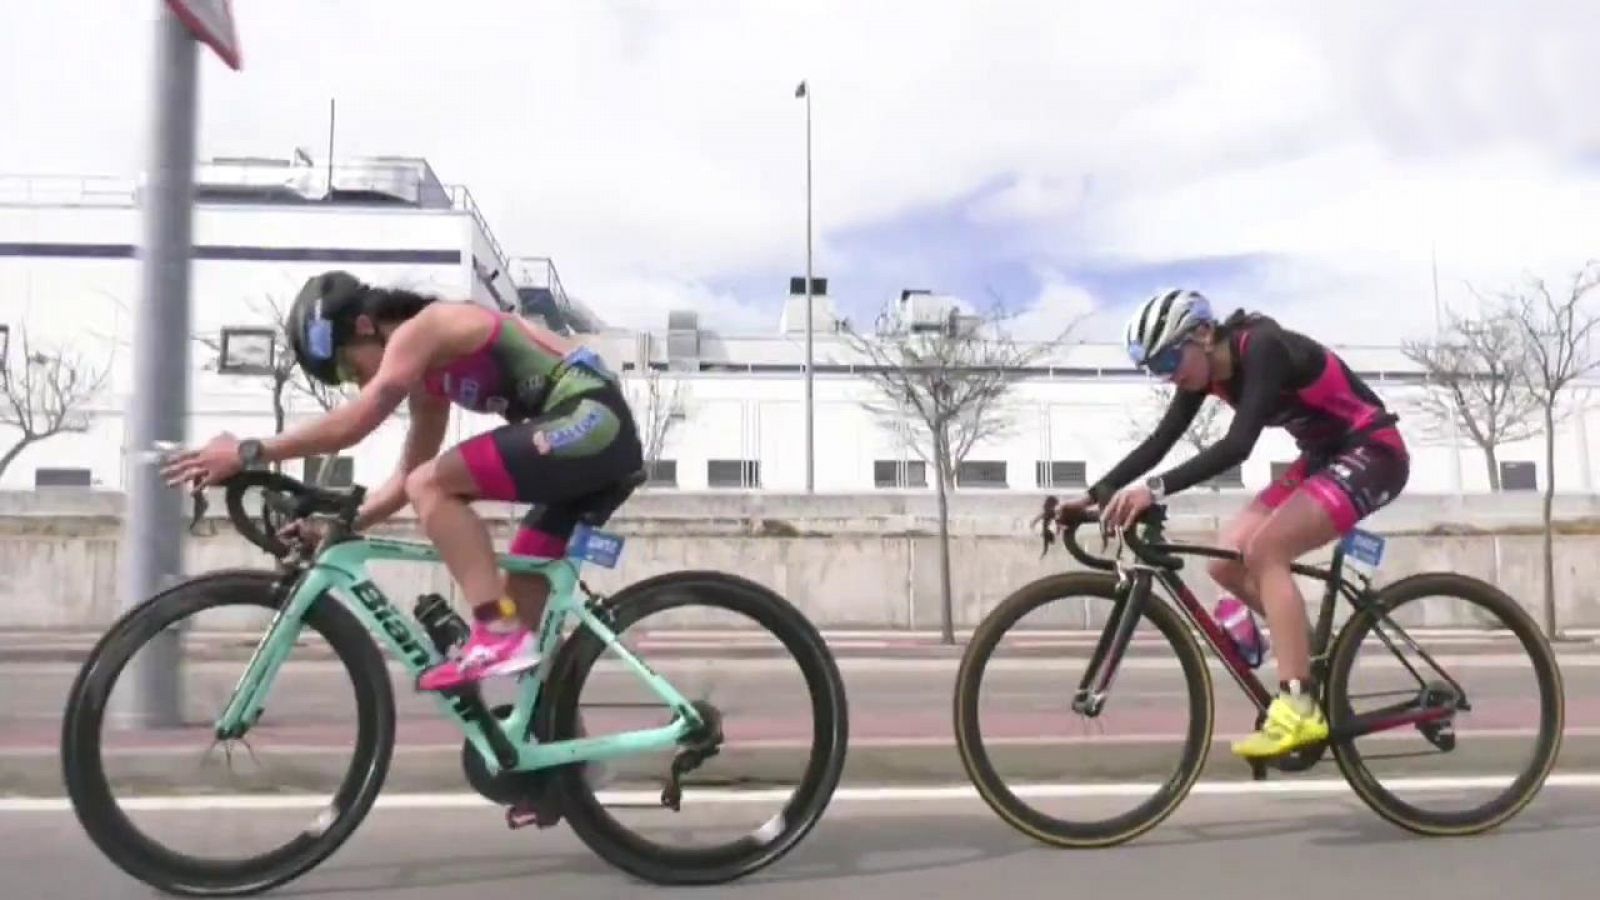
x=1479 y=709
x=727 y=627
x=88 y=745
x=1123 y=765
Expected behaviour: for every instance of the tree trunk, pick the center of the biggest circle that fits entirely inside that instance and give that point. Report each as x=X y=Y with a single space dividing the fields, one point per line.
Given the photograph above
x=1549 y=538
x=12 y=454
x=947 y=631
x=278 y=415
x=1493 y=460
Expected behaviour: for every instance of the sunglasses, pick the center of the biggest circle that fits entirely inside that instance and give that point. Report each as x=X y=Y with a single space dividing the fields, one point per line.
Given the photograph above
x=1162 y=364
x=1166 y=362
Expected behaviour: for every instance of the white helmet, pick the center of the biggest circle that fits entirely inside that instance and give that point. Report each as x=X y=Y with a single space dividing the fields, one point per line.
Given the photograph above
x=1163 y=320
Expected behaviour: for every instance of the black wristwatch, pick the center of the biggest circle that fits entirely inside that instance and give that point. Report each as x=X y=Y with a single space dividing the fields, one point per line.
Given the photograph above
x=250 y=451
x=1157 y=487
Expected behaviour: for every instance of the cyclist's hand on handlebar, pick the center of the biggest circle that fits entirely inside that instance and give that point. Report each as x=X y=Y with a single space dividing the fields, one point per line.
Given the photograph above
x=307 y=531
x=1060 y=513
x=1126 y=507
x=216 y=461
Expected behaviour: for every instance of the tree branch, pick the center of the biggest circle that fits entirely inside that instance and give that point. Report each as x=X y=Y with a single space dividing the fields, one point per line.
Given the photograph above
x=42 y=390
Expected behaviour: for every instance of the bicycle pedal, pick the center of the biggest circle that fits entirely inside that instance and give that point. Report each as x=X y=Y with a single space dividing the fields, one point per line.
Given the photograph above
x=518 y=817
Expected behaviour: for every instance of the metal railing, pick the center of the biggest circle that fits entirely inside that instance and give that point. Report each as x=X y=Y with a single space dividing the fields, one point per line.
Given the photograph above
x=461 y=198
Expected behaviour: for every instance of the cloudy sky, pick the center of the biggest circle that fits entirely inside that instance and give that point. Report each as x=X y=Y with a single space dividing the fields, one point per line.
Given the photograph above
x=1065 y=156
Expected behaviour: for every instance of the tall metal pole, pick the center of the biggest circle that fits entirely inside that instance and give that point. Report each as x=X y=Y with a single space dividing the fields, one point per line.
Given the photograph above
x=811 y=444
x=159 y=405
x=332 y=115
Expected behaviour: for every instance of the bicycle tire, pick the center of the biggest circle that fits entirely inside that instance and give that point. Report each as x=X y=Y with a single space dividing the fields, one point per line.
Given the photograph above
x=1551 y=714
x=991 y=787
x=646 y=859
x=90 y=791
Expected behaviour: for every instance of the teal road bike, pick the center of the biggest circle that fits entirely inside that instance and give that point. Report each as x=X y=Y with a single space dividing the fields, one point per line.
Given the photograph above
x=535 y=750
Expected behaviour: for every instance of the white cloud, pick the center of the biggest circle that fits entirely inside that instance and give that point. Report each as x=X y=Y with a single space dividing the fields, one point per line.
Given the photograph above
x=650 y=152
x=1061 y=307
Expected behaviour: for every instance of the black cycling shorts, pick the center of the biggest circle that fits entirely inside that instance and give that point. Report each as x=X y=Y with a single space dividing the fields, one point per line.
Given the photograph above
x=555 y=461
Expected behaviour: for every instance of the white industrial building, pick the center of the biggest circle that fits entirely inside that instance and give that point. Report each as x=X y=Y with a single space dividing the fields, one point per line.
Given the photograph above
x=69 y=276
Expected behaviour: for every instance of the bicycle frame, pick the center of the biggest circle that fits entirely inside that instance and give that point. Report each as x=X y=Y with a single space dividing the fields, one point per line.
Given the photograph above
x=1136 y=587
x=341 y=573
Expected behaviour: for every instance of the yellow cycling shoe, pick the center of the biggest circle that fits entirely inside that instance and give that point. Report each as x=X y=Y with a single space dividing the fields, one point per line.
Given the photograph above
x=1292 y=723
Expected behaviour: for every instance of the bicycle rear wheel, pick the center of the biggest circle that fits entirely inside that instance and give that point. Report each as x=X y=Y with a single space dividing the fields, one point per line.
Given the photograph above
x=1195 y=731
x=1431 y=684
x=793 y=639
x=93 y=792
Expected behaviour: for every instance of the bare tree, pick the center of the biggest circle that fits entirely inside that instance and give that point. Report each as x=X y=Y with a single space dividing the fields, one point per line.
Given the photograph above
x=946 y=386
x=1558 y=349
x=1474 y=386
x=1208 y=427
x=42 y=393
x=662 y=410
x=281 y=373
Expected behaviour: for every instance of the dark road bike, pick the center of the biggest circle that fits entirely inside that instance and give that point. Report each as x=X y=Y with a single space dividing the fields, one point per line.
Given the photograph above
x=1430 y=707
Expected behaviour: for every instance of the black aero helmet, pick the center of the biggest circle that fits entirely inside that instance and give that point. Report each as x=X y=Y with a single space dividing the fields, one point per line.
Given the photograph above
x=321 y=319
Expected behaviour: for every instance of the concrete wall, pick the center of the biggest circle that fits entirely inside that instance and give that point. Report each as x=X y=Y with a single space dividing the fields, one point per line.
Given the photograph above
x=847 y=560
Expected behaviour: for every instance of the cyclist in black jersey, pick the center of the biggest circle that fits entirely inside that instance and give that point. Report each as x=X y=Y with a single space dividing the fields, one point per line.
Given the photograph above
x=1353 y=462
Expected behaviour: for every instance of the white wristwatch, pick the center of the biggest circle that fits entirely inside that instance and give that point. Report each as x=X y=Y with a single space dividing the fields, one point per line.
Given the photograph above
x=1156 y=487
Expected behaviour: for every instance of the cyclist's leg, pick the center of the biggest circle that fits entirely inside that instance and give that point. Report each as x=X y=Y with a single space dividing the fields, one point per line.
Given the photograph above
x=580 y=446
x=440 y=491
x=1329 y=504
x=1237 y=534
x=1232 y=576
x=543 y=532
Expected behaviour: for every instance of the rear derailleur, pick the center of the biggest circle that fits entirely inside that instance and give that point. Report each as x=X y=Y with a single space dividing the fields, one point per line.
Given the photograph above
x=1441 y=733
x=700 y=745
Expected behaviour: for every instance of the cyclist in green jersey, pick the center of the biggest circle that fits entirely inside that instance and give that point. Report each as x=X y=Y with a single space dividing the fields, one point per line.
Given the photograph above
x=569 y=433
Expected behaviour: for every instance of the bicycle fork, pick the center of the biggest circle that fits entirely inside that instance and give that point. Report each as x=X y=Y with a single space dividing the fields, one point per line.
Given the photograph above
x=245 y=704
x=1106 y=659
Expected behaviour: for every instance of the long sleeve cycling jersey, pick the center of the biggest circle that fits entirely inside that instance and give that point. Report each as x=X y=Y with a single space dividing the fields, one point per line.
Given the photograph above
x=1280 y=379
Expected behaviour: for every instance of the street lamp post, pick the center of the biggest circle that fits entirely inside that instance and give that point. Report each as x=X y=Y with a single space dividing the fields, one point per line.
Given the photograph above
x=811 y=444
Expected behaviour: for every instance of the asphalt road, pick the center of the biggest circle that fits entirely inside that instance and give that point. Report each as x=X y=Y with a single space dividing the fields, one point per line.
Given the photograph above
x=1305 y=847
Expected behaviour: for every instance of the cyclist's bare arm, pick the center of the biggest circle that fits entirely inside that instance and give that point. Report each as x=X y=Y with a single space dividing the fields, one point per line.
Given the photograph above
x=430 y=417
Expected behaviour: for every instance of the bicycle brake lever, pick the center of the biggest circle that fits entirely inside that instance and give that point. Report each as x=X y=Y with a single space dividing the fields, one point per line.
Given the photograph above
x=201 y=504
